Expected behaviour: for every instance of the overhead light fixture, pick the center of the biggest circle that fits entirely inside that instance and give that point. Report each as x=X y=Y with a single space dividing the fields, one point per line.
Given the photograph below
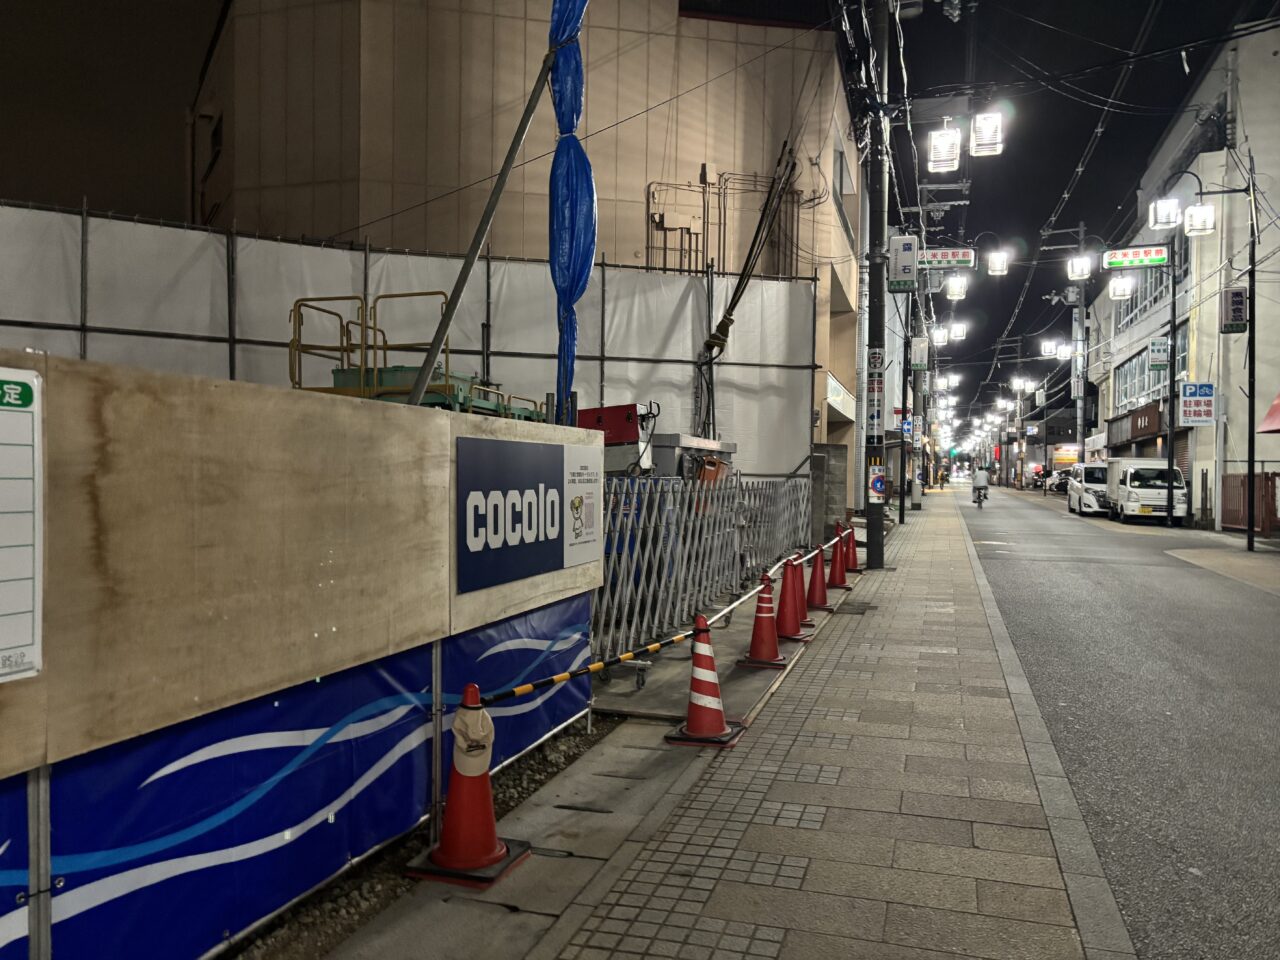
x=986 y=134
x=1064 y=351
x=1198 y=220
x=958 y=330
x=998 y=263
x=957 y=286
x=953 y=380
x=1003 y=404
x=939 y=336
x=1164 y=214
x=1079 y=268
x=1017 y=383
x=1122 y=286
x=944 y=150
x=1048 y=348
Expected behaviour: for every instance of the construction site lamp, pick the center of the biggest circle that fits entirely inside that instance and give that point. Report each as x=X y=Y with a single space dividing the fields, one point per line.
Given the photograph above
x=998 y=263
x=1122 y=286
x=958 y=331
x=1079 y=268
x=1198 y=220
x=1164 y=214
x=957 y=286
x=944 y=150
x=986 y=135
x=939 y=336
x=1064 y=351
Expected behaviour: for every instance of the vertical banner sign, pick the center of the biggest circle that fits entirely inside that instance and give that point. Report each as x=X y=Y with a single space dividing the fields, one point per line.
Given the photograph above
x=875 y=395
x=1158 y=353
x=21 y=522
x=1040 y=397
x=1235 y=310
x=919 y=353
x=525 y=509
x=1195 y=405
x=903 y=264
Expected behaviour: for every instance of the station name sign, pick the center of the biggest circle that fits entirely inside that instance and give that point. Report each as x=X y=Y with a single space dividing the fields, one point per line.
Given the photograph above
x=955 y=257
x=1135 y=257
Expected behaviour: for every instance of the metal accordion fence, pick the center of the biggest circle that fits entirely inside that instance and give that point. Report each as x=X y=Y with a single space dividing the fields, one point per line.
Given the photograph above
x=672 y=546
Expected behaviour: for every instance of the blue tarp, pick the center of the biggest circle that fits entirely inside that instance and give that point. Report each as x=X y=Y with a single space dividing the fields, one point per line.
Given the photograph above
x=572 y=222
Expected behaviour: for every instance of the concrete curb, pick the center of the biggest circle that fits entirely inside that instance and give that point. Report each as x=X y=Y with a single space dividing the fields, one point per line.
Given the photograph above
x=1098 y=918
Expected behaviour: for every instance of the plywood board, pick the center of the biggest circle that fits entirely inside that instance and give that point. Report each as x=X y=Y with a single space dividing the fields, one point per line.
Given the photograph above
x=208 y=542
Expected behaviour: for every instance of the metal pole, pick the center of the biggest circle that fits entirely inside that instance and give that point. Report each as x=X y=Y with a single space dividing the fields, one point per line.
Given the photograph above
x=604 y=300
x=1251 y=483
x=1079 y=366
x=482 y=231
x=84 y=278
x=486 y=331
x=877 y=262
x=919 y=421
x=231 y=303
x=1172 y=393
x=39 y=895
x=902 y=420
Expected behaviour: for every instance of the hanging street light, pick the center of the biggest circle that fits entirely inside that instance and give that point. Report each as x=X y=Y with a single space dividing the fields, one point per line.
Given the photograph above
x=1198 y=220
x=939 y=336
x=986 y=135
x=1164 y=213
x=998 y=263
x=957 y=286
x=1048 y=348
x=1122 y=286
x=1079 y=267
x=944 y=150
x=958 y=330
x=1064 y=351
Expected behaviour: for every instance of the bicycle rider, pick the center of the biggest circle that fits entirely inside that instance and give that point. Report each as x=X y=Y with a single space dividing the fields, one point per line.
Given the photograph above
x=981 y=480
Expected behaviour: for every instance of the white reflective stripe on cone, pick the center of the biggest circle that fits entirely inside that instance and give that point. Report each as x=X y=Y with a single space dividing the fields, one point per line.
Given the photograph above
x=707 y=675
x=703 y=648
x=702 y=700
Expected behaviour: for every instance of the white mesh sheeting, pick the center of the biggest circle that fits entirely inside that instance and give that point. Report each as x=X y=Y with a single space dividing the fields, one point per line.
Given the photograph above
x=271 y=275
x=144 y=277
x=39 y=267
x=415 y=320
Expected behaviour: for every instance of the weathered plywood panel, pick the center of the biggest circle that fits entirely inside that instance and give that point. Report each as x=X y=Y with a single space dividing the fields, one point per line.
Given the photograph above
x=479 y=607
x=208 y=542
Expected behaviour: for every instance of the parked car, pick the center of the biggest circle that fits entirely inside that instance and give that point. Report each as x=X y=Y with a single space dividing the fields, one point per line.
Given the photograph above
x=1059 y=481
x=1087 y=488
x=1140 y=488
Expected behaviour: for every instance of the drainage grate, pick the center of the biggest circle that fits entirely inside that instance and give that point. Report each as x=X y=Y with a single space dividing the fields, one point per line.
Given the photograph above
x=855 y=608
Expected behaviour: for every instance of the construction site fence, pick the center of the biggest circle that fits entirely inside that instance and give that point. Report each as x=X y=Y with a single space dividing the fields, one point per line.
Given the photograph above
x=673 y=546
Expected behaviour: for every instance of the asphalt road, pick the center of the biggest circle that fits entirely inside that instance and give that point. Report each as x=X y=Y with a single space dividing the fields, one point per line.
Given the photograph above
x=1160 y=683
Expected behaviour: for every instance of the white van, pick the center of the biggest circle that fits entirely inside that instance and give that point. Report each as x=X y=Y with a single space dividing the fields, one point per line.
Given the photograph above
x=1087 y=488
x=1139 y=489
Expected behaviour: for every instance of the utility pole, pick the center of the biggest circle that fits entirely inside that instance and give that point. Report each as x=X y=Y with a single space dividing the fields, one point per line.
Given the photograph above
x=1251 y=491
x=904 y=462
x=1171 y=400
x=1078 y=356
x=919 y=420
x=877 y=261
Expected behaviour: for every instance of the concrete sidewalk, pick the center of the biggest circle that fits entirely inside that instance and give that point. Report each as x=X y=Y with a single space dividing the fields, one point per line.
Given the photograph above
x=897 y=798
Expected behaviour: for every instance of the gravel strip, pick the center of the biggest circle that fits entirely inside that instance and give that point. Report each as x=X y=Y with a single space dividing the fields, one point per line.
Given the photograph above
x=319 y=923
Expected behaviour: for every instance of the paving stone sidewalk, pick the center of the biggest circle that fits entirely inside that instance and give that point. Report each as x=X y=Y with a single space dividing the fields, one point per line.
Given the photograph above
x=898 y=798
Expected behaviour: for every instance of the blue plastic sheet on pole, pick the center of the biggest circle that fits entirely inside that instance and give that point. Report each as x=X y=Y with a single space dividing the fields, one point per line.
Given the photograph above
x=572 y=223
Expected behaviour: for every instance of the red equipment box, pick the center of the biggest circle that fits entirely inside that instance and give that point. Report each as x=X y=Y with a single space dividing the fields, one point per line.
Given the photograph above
x=621 y=424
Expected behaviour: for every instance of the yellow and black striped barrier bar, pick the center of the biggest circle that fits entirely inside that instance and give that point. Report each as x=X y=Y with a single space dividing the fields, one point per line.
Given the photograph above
x=527 y=688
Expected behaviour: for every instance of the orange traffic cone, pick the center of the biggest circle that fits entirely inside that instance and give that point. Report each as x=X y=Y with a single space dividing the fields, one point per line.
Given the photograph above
x=801 y=600
x=836 y=579
x=764 y=635
x=790 y=604
x=851 y=554
x=817 y=598
x=469 y=852
x=706 y=725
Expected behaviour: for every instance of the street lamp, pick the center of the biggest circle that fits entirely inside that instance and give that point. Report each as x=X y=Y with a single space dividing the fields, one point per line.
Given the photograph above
x=1079 y=267
x=958 y=330
x=986 y=134
x=1164 y=213
x=957 y=286
x=944 y=149
x=1122 y=286
x=998 y=263
x=1198 y=220
x=939 y=336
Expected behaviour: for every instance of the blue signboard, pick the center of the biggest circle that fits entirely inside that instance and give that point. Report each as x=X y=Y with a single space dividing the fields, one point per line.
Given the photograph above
x=525 y=509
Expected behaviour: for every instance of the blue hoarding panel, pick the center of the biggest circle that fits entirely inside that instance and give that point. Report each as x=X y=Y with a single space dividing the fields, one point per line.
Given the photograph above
x=13 y=867
x=509 y=499
x=530 y=646
x=188 y=835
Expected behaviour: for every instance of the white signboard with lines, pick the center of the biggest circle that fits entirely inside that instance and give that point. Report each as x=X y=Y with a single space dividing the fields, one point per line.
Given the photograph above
x=21 y=522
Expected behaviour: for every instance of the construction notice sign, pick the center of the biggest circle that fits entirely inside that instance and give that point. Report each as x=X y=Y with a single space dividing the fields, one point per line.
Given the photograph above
x=1196 y=405
x=902 y=264
x=21 y=522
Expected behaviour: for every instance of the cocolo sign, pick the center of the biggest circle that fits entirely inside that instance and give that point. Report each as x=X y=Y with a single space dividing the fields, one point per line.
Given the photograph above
x=524 y=509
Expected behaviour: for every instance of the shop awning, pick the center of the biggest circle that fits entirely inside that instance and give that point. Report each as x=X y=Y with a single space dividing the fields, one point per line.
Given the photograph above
x=1271 y=422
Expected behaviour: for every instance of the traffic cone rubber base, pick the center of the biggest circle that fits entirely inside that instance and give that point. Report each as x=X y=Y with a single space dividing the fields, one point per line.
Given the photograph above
x=423 y=868
x=779 y=664
x=727 y=739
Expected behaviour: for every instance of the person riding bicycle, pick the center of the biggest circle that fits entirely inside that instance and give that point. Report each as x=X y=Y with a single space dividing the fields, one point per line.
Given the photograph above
x=981 y=480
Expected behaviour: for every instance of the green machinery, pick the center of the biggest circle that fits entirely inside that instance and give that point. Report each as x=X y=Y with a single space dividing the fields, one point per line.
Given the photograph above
x=363 y=369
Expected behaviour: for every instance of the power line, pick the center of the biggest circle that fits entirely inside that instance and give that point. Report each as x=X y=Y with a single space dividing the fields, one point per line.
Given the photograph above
x=1063 y=30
